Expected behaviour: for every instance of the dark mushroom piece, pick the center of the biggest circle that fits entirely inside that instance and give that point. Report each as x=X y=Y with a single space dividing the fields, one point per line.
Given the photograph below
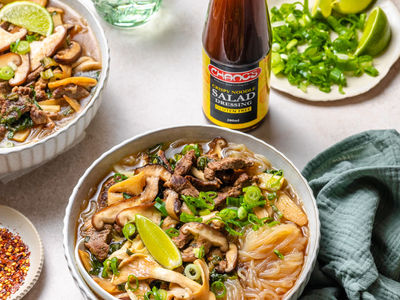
x=216 y=146
x=69 y=55
x=22 y=71
x=109 y=213
x=229 y=263
x=202 y=235
x=172 y=204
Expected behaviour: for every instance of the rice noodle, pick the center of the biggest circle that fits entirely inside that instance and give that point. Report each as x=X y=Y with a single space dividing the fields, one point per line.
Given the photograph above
x=262 y=274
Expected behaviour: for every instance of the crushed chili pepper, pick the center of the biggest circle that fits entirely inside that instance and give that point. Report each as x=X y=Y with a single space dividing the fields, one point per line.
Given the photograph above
x=14 y=263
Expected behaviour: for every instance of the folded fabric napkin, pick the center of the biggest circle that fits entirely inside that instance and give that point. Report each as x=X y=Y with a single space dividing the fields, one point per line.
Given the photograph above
x=357 y=187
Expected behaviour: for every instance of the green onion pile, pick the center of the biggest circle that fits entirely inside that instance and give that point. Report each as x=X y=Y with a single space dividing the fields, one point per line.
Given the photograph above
x=317 y=51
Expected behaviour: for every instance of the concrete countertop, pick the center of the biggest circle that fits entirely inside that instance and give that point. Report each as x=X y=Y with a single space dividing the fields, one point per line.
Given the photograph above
x=155 y=81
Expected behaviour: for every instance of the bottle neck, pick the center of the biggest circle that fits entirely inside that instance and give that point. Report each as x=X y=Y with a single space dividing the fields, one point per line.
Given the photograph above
x=237 y=32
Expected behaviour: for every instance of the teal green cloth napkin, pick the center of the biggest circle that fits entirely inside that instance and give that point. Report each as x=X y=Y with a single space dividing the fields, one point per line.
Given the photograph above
x=357 y=187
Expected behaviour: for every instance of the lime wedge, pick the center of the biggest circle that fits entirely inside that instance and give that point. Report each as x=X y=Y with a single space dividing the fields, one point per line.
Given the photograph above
x=376 y=35
x=351 y=6
x=29 y=15
x=158 y=243
x=323 y=7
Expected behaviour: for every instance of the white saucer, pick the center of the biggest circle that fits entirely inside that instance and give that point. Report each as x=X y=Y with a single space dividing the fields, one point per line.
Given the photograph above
x=17 y=223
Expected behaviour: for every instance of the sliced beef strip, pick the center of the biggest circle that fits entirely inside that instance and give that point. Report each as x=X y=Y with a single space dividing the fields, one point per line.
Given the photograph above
x=102 y=200
x=34 y=74
x=22 y=91
x=38 y=116
x=161 y=155
x=185 y=163
x=98 y=241
x=71 y=90
x=233 y=191
x=12 y=110
x=40 y=89
x=204 y=185
x=227 y=163
x=182 y=186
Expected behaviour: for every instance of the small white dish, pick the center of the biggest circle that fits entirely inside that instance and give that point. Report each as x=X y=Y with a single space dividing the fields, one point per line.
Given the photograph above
x=18 y=224
x=355 y=85
x=101 y=167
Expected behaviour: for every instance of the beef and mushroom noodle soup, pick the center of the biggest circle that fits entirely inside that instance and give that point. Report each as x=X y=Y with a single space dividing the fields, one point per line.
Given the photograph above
x=45 y=80
x=235 y=222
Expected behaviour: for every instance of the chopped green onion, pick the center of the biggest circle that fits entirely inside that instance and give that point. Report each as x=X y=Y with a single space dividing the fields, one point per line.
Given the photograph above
x=186 y=218
x=126 y=196
x=128 y=283
x=128 y=230
x=194 y=147
x=6 y=73
x=273 y=223
x=192 y=272
x=114 y=247
x=199 y=252
x=172 y=232
x=279 y=254
x=202 y=162
x=242 y=213
x=160 y=206
x=252 y=194
x=228 y=214
x=32 y=37
x=118 y=177
x=158 y=294
x=110 y=264
x=230 y=201
x=47 y=74
x=271 y=196
x=48 y=62
x=219 y=289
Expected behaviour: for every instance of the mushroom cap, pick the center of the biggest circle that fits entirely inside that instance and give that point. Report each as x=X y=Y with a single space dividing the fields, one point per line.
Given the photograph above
x=206 y=232
x=22 y=71
x=155 y=170
x=172 y=204
x=7 y=38
x=146 y=210
x=47 y=47
x=109 y=213
x=70 y=54
x=8 y=58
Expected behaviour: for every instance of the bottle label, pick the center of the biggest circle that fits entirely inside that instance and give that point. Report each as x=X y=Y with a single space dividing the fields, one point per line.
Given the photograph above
x=235 y=97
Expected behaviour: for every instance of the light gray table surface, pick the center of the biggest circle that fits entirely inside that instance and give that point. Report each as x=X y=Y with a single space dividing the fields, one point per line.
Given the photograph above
x=155 y=81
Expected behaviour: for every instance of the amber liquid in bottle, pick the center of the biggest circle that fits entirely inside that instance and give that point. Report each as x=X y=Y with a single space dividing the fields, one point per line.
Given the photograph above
x=236 y=63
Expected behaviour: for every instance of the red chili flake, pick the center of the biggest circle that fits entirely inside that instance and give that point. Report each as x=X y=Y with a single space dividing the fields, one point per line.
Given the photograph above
x=14 y=263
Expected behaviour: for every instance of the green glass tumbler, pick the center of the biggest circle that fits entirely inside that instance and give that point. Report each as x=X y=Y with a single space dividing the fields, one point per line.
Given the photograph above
x=127 y=13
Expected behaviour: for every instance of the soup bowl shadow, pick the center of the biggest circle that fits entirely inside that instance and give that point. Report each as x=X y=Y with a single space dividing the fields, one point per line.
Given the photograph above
x=102 y=166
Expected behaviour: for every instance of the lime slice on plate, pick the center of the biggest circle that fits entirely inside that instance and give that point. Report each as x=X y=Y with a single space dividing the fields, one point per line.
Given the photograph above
x=351 y=6
x=376 y=35
x=158 y=243
x=29 y=15
x=322 y=6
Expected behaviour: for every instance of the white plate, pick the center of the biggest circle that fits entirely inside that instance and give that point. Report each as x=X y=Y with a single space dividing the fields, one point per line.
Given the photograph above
x=355 y=85
x=17 y=223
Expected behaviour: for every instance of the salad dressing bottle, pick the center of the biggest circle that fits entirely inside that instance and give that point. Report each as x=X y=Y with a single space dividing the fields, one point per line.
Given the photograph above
x=236 y=63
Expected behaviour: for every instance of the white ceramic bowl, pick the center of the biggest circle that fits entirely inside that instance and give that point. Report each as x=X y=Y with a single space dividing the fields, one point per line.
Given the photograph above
x=102 y=165
x=22 y=158
x=17 y=223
